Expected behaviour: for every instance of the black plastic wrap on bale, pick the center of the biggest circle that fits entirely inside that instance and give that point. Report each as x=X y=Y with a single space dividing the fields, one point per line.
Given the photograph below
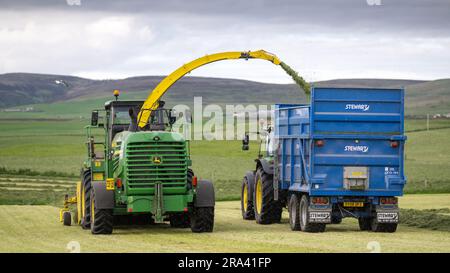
x=298 y=79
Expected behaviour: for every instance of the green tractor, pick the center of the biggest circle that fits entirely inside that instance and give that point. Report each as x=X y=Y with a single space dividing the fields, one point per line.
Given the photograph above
x=138 y=174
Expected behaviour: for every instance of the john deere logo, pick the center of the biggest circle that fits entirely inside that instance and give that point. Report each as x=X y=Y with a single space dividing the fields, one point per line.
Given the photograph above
x=157 y=159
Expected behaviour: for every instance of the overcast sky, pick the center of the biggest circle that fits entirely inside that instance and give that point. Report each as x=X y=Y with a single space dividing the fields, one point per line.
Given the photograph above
x=321 y=39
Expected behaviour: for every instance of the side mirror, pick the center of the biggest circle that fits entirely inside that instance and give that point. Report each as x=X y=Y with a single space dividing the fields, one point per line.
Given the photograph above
x=94 y=118
x=172 y=116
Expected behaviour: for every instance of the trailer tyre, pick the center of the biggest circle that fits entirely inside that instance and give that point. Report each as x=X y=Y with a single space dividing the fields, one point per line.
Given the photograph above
x=383 y=227
x=305 y=224
x=247 y=209
x=202 y=219
x=179 y=220
x=86 y=200
x=101 y=219
x=67 y=218
x=365 y=223
x=267 y=210
x=294 y=215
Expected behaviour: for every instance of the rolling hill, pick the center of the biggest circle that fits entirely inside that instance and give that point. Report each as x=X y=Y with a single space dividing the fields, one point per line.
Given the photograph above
x=52 y=93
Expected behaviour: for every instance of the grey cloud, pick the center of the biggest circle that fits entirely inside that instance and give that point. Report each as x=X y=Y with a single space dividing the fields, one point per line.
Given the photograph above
x=410 y=16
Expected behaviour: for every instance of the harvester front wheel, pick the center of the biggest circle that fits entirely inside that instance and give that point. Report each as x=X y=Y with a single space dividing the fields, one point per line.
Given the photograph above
x=247 y=210
x=267 y=210
x=305 y=224
x=101 y=219
x=294 y=215
x=86 y=200
x=202 y=219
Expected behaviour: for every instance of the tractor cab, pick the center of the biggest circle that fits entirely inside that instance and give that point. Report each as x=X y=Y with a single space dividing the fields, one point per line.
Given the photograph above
x=119 y=115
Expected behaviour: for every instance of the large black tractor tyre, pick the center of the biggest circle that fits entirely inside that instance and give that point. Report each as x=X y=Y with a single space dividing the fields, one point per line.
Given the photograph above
x=180 y=220
x=86 y=199
x=267 y=210
x=365 y=223
x=248 y=212
x=102 y=220
x=383 y=227
x=202 y=219
x=305 y=224
x=294 y=215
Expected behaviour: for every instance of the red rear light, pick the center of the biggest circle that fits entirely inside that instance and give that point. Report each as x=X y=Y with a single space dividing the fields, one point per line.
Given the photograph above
x=320 y=200
x=194 y=181
x=394 y=144
x=319 y=143
x=119 y=183
x=388 y=200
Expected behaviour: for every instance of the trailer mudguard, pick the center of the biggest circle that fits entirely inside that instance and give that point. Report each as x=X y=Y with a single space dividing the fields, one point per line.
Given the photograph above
x=205 y=196
x=251 y=183
x=267 y=167
x=104 y=199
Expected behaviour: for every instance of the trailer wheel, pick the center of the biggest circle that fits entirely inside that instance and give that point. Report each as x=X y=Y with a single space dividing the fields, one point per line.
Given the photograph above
x=67 y=218
x=179 y=220
x=267 y=210
x=383 y=227
x=101 y=219
x=247 y=210
x=305 y=225
x=294 y=216
x=86 y=200
x=202 y=219
x=365 y=223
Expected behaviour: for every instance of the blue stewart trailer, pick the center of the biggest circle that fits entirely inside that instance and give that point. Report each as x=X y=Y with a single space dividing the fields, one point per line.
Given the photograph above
x=341 y=156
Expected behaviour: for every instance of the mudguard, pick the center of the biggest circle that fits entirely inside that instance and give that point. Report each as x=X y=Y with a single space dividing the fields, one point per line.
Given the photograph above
x=267 y=167
x=104 y=199
x=205 y=194
x=251 y=184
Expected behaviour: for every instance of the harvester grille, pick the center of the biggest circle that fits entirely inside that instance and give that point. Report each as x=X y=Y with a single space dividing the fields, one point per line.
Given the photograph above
x=151 y=162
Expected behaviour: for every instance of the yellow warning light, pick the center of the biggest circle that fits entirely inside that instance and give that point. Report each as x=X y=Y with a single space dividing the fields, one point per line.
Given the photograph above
x=116 y=93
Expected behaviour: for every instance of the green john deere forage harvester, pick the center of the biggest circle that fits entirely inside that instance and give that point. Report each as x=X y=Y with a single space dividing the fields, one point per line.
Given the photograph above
x=138 y=175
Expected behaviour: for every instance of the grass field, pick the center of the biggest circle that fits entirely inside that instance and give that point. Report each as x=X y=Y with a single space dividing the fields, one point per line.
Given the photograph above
x=36 y=229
